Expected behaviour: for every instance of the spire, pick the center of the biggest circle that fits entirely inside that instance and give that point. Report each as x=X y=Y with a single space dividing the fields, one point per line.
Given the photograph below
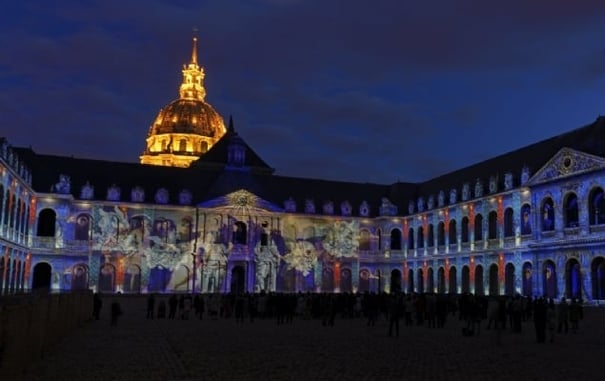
x=192 y=86
x=194 y=51
x=231 y=128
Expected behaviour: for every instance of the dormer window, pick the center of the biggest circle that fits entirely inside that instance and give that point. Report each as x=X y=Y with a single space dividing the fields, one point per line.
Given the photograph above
x=236 y=155
x=309 y=206
x=364 y=209
x=290 y=205
x=329 y=208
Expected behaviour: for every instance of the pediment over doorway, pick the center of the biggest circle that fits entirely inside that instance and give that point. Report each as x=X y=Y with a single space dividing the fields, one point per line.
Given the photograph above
x=241 y=200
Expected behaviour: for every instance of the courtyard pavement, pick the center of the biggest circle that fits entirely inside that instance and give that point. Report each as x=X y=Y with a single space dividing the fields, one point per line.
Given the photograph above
x=159 y=349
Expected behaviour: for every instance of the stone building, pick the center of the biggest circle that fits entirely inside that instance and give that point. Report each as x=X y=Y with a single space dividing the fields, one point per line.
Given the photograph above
x=204 y=212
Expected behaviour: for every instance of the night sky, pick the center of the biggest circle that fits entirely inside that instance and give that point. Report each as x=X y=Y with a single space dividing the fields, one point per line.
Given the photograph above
x=356 y=90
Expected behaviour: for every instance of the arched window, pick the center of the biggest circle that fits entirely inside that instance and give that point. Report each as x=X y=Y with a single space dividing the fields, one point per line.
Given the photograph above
x=479 y=290
x=11 y=210
x=183 y=145
x=203 y=147
x=46 y=223
x=420 y=239
x=492 y=228
x=395 y=239
x=441 y=234
x=525 y=219
x=508 y=223
x=527 y=287
x=596 y=207
x=6 y=208
x=240 y=235
x=411 y=239
x=548 y=215
x=23 y=218
x=478 y=227
x=19 y=214
x=571 y=210
x=82 y=228
x=26 y=230
x=452 y=232
x=464 y=230
x=430 y=237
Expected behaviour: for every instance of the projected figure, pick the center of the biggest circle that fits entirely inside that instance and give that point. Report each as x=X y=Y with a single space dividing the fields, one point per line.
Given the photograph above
x=215 y=263
x=267 y=259
x=342 y=239
x=302 y=256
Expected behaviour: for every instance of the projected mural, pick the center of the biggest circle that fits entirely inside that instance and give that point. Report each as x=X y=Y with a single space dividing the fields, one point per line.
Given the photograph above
x=142 y=249
x=312 y=245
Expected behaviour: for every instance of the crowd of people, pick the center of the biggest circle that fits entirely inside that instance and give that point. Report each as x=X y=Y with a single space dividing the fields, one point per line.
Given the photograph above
x=431 y=310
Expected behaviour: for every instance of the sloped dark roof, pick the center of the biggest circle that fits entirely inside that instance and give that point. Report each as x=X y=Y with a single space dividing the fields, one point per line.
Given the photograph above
x=210 y=177
x=46 y=170
x=229 y=181
x=278 y=189
x=204 y=183
x=217 y=156
x=589 y=139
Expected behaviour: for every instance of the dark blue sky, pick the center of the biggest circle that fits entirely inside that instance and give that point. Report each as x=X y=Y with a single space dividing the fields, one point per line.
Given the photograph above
x=359 y=90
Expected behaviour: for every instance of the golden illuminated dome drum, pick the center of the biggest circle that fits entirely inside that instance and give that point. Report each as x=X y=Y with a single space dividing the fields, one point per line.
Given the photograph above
x=187 y=127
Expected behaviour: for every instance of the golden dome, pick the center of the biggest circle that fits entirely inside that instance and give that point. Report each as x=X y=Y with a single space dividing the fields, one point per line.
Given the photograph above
x=187 y=127
x=188 y=116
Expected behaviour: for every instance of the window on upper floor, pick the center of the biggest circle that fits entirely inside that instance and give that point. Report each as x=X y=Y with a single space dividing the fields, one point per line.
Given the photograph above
x=46 y=223
x=240 y=233
x=26 y=229
x=440 y=233
x=548 y=215
x=11 y=209
x=453 y=234
x=23 y=218
x=420 y=238
x=20 y=211
x=596 y=207
x=478 y=227
x=430 y=237
x=492 y=226
x=464 y=230
x=525 y=222
x=82 y=228
x=395 y=239
x=508 y=222
x=571 y=211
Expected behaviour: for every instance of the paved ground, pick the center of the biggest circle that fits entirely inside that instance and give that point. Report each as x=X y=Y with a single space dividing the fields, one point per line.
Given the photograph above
x=141 y=349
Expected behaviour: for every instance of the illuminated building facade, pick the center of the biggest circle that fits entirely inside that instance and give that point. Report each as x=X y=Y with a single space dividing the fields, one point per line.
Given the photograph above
x=531 y=221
